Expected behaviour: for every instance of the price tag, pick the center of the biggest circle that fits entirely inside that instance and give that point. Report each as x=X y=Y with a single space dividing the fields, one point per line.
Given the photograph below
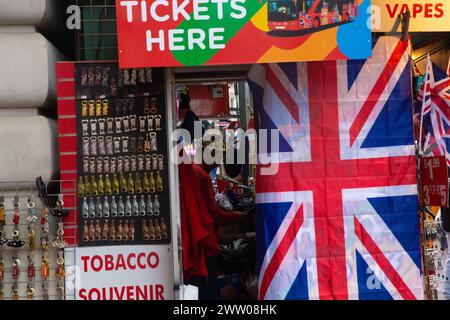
x=434 y=181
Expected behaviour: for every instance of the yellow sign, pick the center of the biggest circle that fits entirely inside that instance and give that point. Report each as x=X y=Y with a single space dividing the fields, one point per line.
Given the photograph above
x=426 y=15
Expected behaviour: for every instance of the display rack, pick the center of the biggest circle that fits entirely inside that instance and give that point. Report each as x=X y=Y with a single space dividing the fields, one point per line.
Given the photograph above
x=42 y=277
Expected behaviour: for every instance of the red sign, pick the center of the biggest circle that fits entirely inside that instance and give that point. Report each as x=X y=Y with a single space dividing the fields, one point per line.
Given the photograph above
x=160 y=33
x=434 y=181
x=210 y=100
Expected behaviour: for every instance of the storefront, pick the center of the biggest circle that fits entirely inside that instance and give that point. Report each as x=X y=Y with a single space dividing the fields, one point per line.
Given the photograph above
x=119 y=222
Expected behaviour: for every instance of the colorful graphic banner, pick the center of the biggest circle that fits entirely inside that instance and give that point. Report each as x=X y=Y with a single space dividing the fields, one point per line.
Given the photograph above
x=212 y=32
x=338 y=219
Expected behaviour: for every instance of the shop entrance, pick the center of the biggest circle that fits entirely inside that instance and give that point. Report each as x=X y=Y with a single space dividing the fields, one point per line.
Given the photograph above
x=220 y=98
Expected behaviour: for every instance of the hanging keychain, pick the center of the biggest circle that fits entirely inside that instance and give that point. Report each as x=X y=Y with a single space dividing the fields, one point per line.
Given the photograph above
x=15 y=276
x=16 y=242
x=45 y=272
x=60 y=274
x=31 y=275
x=3 y=238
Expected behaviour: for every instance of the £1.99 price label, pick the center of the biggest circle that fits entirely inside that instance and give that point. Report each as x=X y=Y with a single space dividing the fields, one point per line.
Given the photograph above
x=434 y=181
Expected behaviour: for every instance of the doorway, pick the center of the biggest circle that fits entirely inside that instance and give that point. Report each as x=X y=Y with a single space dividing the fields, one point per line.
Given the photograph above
x=221 y=101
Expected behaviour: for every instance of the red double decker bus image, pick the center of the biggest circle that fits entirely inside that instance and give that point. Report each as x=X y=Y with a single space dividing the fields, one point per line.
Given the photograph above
x=309 y=15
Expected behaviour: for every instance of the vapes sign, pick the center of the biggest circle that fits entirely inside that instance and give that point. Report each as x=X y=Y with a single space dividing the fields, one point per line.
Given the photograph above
x=426 y=15
x=124 y=273
x=155 y=33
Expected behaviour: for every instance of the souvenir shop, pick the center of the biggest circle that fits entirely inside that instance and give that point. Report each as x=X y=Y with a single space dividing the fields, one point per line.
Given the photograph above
x=115 y=225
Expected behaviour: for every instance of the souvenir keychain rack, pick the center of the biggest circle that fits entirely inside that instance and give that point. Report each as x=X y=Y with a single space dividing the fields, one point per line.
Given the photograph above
x=32 y=265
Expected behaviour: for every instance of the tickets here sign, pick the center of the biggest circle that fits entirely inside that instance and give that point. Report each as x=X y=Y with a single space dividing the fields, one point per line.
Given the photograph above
x=434 y=181
x=124 y=273
x=426 y=15
x=162 y=33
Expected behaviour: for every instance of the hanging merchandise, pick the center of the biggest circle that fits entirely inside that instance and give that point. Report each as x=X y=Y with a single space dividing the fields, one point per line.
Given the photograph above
x=121 y=139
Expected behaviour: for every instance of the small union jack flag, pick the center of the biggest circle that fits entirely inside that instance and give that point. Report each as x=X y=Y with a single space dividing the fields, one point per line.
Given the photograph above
x=339 y=219
x=434 y=98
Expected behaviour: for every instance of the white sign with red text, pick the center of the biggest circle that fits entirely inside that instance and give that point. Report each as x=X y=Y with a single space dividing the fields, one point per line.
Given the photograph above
x=124 y=273
x=426 y=15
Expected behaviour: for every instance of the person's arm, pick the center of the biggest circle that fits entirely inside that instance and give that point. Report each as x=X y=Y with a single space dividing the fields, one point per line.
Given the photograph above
x=220 y=216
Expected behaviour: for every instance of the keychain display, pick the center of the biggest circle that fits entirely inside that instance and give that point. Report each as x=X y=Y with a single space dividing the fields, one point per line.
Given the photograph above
x=122 y=149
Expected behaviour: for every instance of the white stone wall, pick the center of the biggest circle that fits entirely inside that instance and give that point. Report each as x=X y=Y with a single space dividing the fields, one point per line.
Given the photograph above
x=28 y=140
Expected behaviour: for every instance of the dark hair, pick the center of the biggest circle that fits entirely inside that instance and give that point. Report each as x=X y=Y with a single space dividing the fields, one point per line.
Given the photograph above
x=185 y=101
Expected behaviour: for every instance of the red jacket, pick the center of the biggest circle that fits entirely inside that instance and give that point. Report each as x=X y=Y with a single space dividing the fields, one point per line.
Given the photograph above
x=199 y=215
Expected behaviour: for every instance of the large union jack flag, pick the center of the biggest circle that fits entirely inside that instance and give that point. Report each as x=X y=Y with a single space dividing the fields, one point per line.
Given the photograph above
x=436 y=110
x=339 y=219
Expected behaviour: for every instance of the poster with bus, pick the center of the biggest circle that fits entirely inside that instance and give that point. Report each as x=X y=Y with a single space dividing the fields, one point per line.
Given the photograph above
x=294 y=16
x=212 y=32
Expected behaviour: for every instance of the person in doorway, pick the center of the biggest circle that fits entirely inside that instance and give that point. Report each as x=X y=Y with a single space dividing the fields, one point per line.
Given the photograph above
x=203 y=213
x=186 y=115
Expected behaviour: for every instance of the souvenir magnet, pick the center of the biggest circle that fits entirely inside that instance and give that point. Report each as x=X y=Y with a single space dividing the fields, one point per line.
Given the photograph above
x=148 y=75
x=150 y=120
x=154 y=106
x=141 y=75
x=140 y=160
x=91 y=108
x=126 y=164
x=125 y=144
x=85 y=209
x=106 y=164
x=85 y=165
x=133 y=77
x=84 y=77
x=112 y=231
x=85 y=146
x=140 y=147
x=91 y=77
x=85 y=127
x=105 y=77
x=118 y=121
x=133 y=147
x=109 y=146
x=84 y=108
x=158 y=122
x=148 y=162
x=101 y=146
x=101 y=126
x=117 y=145
x=98 y=108
x=93 y=148
x=120 y=81
x=109 y=124
x=93 y=127
x=98 y=231
x=142 y=122
x=126 y=123
x=92 y=165
x=113 y=207
x=133 y=122
x=145 y=233
x=146 y=106
x=105 y=232
x=99 y=165
x=133 y=163
x=113 y=167
x=98 y=76
x=161 y=162
x=126 y=77
x=153 y=142
x=120 y=164
x=147 y=146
